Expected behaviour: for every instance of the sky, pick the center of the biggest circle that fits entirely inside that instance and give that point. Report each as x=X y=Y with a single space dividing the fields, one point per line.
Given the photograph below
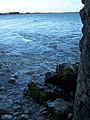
x=40 y=6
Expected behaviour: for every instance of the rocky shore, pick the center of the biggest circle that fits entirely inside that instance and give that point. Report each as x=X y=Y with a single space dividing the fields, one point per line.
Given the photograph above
x=57 y=92
x=23 y=98
x=14 y=77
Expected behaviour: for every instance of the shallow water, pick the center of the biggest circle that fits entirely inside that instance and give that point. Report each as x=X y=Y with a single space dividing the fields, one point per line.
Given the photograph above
x=46 y=39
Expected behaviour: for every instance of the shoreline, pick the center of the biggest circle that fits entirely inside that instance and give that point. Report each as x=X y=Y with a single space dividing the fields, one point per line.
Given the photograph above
x=18 y=13
x=15 y=75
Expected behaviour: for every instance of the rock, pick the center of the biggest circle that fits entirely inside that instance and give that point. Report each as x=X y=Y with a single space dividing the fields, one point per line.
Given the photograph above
x=51 y=78
x=87 y=7
x=59 y=108
x=65 y=76
x=70 y=115
x=44 y=93
x=3 y=112
x=6 y=117
x=82 y=13
x=67 y=71
x=82 y=98
x=83 y=1
x=24 y=117
x=12 y=81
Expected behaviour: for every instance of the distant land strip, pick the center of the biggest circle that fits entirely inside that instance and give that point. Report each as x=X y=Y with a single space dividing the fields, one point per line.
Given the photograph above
x=17 y=13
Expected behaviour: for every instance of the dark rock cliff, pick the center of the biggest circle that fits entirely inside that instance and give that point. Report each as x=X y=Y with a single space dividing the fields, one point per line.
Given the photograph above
x=82 y=98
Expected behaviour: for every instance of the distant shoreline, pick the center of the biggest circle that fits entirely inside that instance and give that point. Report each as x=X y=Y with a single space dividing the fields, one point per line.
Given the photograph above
x=18 y=13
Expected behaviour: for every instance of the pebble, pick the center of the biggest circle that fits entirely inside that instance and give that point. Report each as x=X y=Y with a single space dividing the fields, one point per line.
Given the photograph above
x=70 y=115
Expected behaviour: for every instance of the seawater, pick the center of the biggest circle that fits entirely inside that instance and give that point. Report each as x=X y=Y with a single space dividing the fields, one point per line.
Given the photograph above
x=48 y=38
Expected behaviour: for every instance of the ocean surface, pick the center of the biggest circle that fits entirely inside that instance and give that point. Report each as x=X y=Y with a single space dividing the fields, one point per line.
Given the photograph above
x=46 y=38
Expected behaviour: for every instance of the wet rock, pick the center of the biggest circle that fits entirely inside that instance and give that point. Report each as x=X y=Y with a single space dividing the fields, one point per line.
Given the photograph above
x=83 y=1
x=87 y=7
x=44 y=93
x=65 y=76
x=50 y=75
x=59 y=109
x=6 y=117
x=12 y=81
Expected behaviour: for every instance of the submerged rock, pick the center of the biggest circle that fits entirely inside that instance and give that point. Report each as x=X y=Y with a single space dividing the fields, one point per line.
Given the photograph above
x=59 y=109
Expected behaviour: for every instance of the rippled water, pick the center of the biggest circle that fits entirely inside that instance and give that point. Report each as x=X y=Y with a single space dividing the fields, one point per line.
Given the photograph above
x=47 y=38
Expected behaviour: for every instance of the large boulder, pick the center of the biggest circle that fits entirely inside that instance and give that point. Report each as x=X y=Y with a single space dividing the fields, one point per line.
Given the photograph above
x=65 y=76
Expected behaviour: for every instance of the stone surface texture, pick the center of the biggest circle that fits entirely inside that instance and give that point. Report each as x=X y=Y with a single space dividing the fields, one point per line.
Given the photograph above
x=82 y=98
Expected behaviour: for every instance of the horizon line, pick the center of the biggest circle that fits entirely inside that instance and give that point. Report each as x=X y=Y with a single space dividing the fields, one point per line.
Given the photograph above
x=36 y=12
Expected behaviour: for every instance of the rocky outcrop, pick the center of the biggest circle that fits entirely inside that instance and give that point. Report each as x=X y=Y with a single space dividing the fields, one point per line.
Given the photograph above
x=82 y=99
x=56 y=92
x=44 y=92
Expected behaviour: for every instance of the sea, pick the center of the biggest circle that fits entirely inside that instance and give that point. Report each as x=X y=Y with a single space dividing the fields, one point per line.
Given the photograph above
x=49 y=38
